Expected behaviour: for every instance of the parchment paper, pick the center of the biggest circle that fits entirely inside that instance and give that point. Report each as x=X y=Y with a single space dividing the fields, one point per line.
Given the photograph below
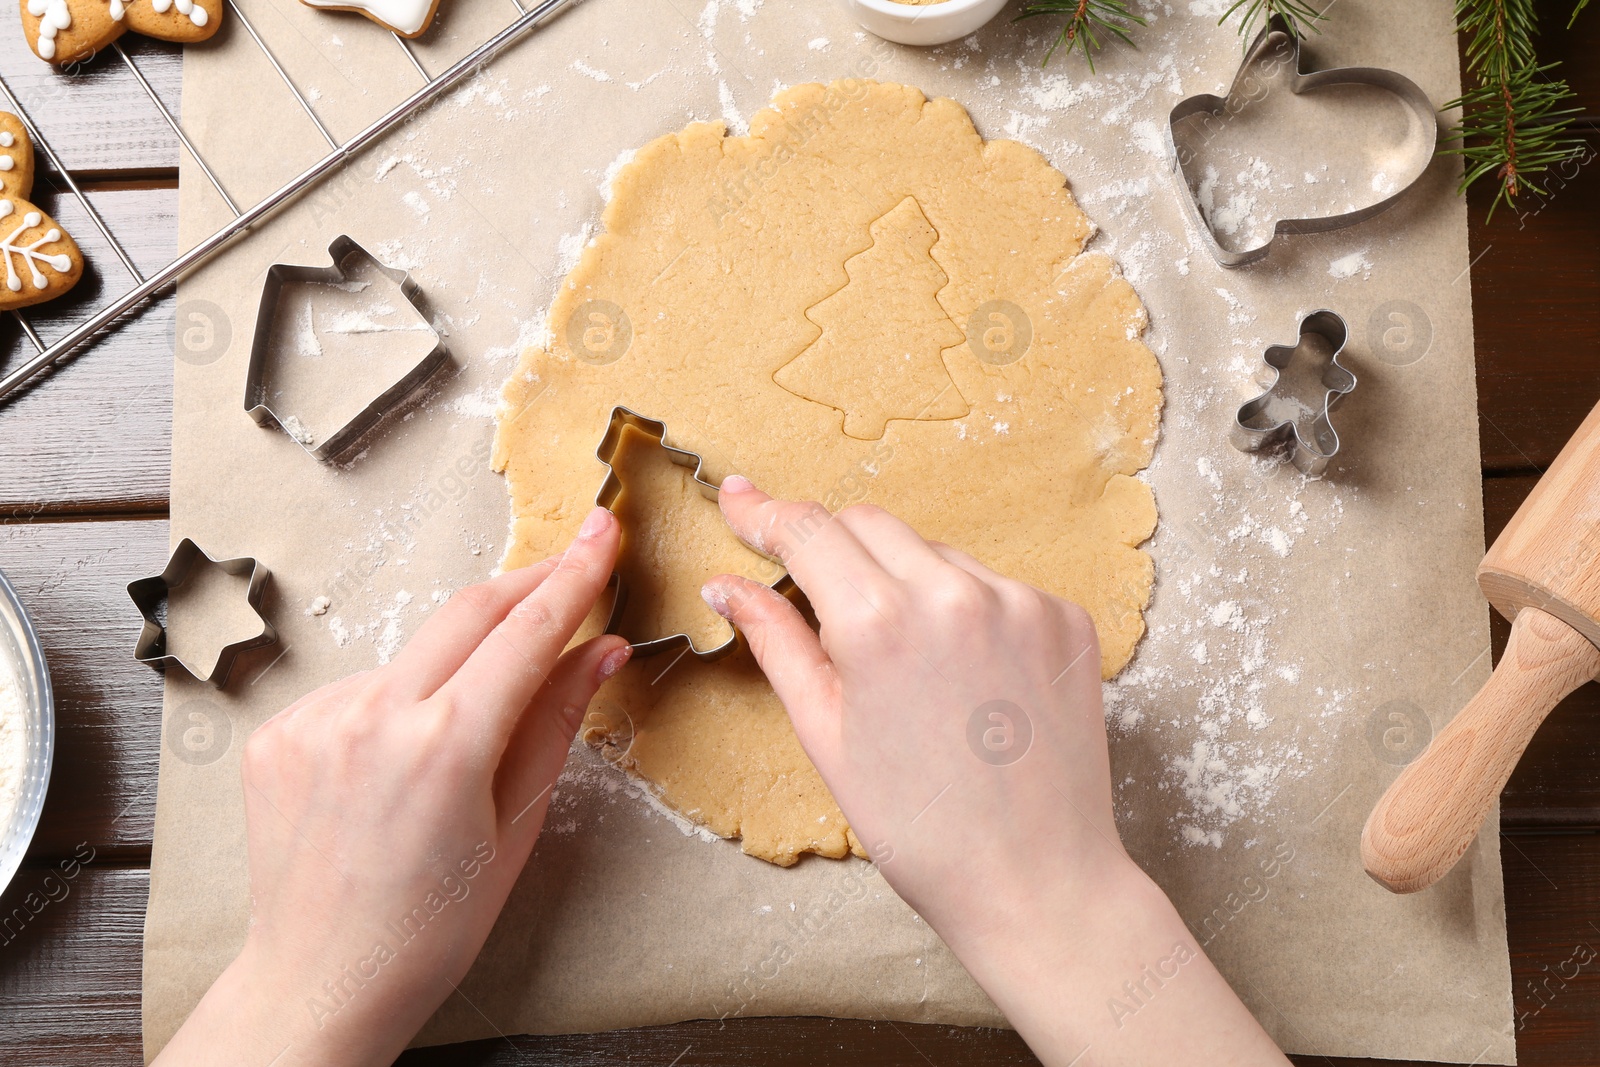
x=1305 y=637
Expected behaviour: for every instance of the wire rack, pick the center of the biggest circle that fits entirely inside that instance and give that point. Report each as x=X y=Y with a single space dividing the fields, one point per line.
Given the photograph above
x=136 y=299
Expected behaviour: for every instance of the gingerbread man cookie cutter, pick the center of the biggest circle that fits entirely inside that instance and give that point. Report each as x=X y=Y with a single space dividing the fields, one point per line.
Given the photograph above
x=150 y=595
x=1260 y=423
x=622 y=419
x=1422 y=136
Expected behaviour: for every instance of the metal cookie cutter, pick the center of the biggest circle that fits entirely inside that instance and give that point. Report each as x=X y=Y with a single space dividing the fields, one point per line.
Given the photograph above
x=1275 y=35
x=1257 y=427
x=621 y=419
x=150 y=596
x=256 y=391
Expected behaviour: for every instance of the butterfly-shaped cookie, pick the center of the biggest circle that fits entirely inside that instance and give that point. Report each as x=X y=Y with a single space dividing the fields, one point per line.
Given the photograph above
x=41 y=261
x=69 y=31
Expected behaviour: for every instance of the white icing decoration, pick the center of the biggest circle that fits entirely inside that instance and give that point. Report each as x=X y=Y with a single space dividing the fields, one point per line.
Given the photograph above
x=6 y=140
x=406 y=16
x=30 y=254
x=53 y=16
x=6 y=162
x=194 y=12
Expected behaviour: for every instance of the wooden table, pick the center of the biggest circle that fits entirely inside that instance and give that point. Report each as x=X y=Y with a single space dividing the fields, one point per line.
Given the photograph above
x=83 y=509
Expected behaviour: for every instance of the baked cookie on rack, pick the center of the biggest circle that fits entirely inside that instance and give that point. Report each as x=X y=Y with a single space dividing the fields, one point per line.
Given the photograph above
x=70 y=31
x=408 y=18
x=42 y=262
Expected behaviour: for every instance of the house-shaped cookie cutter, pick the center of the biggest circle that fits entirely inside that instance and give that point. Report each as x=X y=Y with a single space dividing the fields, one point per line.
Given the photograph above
x=279 y=275
x=1252 y=432
x=1424 y=134
x=621 y=420
x=149 y=594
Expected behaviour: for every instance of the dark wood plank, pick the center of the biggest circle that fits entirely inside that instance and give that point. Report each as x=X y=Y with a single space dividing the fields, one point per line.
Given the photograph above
x=69 y=979
x=95 y=115
x=70 y=949
x=71 y=577
x=1552 y=906
x=95 y=434
x=1534 y=279
x=1574 y=49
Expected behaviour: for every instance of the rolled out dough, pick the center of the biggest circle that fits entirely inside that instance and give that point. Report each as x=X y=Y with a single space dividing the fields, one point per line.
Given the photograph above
x=860 y=300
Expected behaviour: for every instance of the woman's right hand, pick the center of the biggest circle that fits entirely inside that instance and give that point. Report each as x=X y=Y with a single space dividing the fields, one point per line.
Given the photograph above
x=956 y=716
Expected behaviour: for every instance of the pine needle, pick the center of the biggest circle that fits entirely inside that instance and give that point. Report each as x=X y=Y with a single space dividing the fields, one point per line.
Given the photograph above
x=1299 y=15
x=1514 y=125
x=1086 y=21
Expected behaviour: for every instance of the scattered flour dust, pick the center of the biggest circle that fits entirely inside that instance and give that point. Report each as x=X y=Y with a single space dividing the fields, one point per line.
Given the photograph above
x=13 y=742
x=1349 y=266
x=587 y=774
x=1209 y=678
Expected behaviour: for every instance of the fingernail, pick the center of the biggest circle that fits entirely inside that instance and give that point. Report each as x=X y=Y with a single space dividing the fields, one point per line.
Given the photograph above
x=736 y=483
x=614 y=660
x=599 y=521
x=716 y=599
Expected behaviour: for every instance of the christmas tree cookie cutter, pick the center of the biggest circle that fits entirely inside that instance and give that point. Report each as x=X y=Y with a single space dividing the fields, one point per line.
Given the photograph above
x=1257 y=427
x=622 y=419
x=257 y=390
x=150 y=596
x=1422 y=136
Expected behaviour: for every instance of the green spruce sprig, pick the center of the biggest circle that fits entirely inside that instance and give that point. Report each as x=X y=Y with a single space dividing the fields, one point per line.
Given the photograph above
x=1299 y=15
x=1514 y=126
x=1086 y=21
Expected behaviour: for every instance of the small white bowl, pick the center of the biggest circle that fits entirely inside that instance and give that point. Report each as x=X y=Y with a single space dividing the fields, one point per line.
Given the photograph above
x=941 y=23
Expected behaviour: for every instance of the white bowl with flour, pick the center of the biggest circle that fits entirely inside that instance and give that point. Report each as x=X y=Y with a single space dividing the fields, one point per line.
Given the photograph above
x=921 y=22
x=27 y=731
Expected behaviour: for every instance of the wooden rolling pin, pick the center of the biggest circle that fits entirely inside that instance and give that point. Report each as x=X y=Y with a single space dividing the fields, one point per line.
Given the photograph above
x=1542 y=573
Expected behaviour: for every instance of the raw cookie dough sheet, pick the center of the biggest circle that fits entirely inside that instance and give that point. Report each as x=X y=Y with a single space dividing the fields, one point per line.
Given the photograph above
x=1286 y=613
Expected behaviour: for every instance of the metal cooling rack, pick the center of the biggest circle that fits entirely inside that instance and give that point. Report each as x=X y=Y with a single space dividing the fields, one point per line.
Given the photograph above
x=136 y=299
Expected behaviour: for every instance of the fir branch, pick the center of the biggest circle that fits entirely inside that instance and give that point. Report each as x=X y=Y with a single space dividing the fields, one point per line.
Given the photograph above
x=1086 y=20
x=1514 y=129
x=1298 y=14
x=1514 y=126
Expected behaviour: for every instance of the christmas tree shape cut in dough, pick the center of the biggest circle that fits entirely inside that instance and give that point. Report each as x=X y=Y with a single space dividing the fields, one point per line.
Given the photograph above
x=879 y=354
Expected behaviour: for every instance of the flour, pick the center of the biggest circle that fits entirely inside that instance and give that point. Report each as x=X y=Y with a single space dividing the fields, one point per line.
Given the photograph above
x=1349 y=266
x=13 y=744
x=586 y=775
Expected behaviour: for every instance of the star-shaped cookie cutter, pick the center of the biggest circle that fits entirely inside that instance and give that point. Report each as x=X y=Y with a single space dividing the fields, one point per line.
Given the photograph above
x=256 y=404
x=1255 y=427
x=621 y=420
x=1277 y=32
x=149 y=595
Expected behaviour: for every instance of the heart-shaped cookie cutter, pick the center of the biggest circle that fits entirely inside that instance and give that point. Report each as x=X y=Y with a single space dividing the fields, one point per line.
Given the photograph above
x=621 y=420
x=1252 y=433
x=1276 y=34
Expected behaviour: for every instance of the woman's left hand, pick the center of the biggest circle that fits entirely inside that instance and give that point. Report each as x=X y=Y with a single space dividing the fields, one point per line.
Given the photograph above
x=389 y=814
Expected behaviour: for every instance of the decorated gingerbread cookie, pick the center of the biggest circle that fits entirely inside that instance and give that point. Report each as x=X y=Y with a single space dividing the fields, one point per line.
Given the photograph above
x=41 y=261
x=408 y=18
x=70 y=31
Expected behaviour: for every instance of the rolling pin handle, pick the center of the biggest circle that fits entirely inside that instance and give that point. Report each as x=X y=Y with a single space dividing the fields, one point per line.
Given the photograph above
x=1430 y=814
